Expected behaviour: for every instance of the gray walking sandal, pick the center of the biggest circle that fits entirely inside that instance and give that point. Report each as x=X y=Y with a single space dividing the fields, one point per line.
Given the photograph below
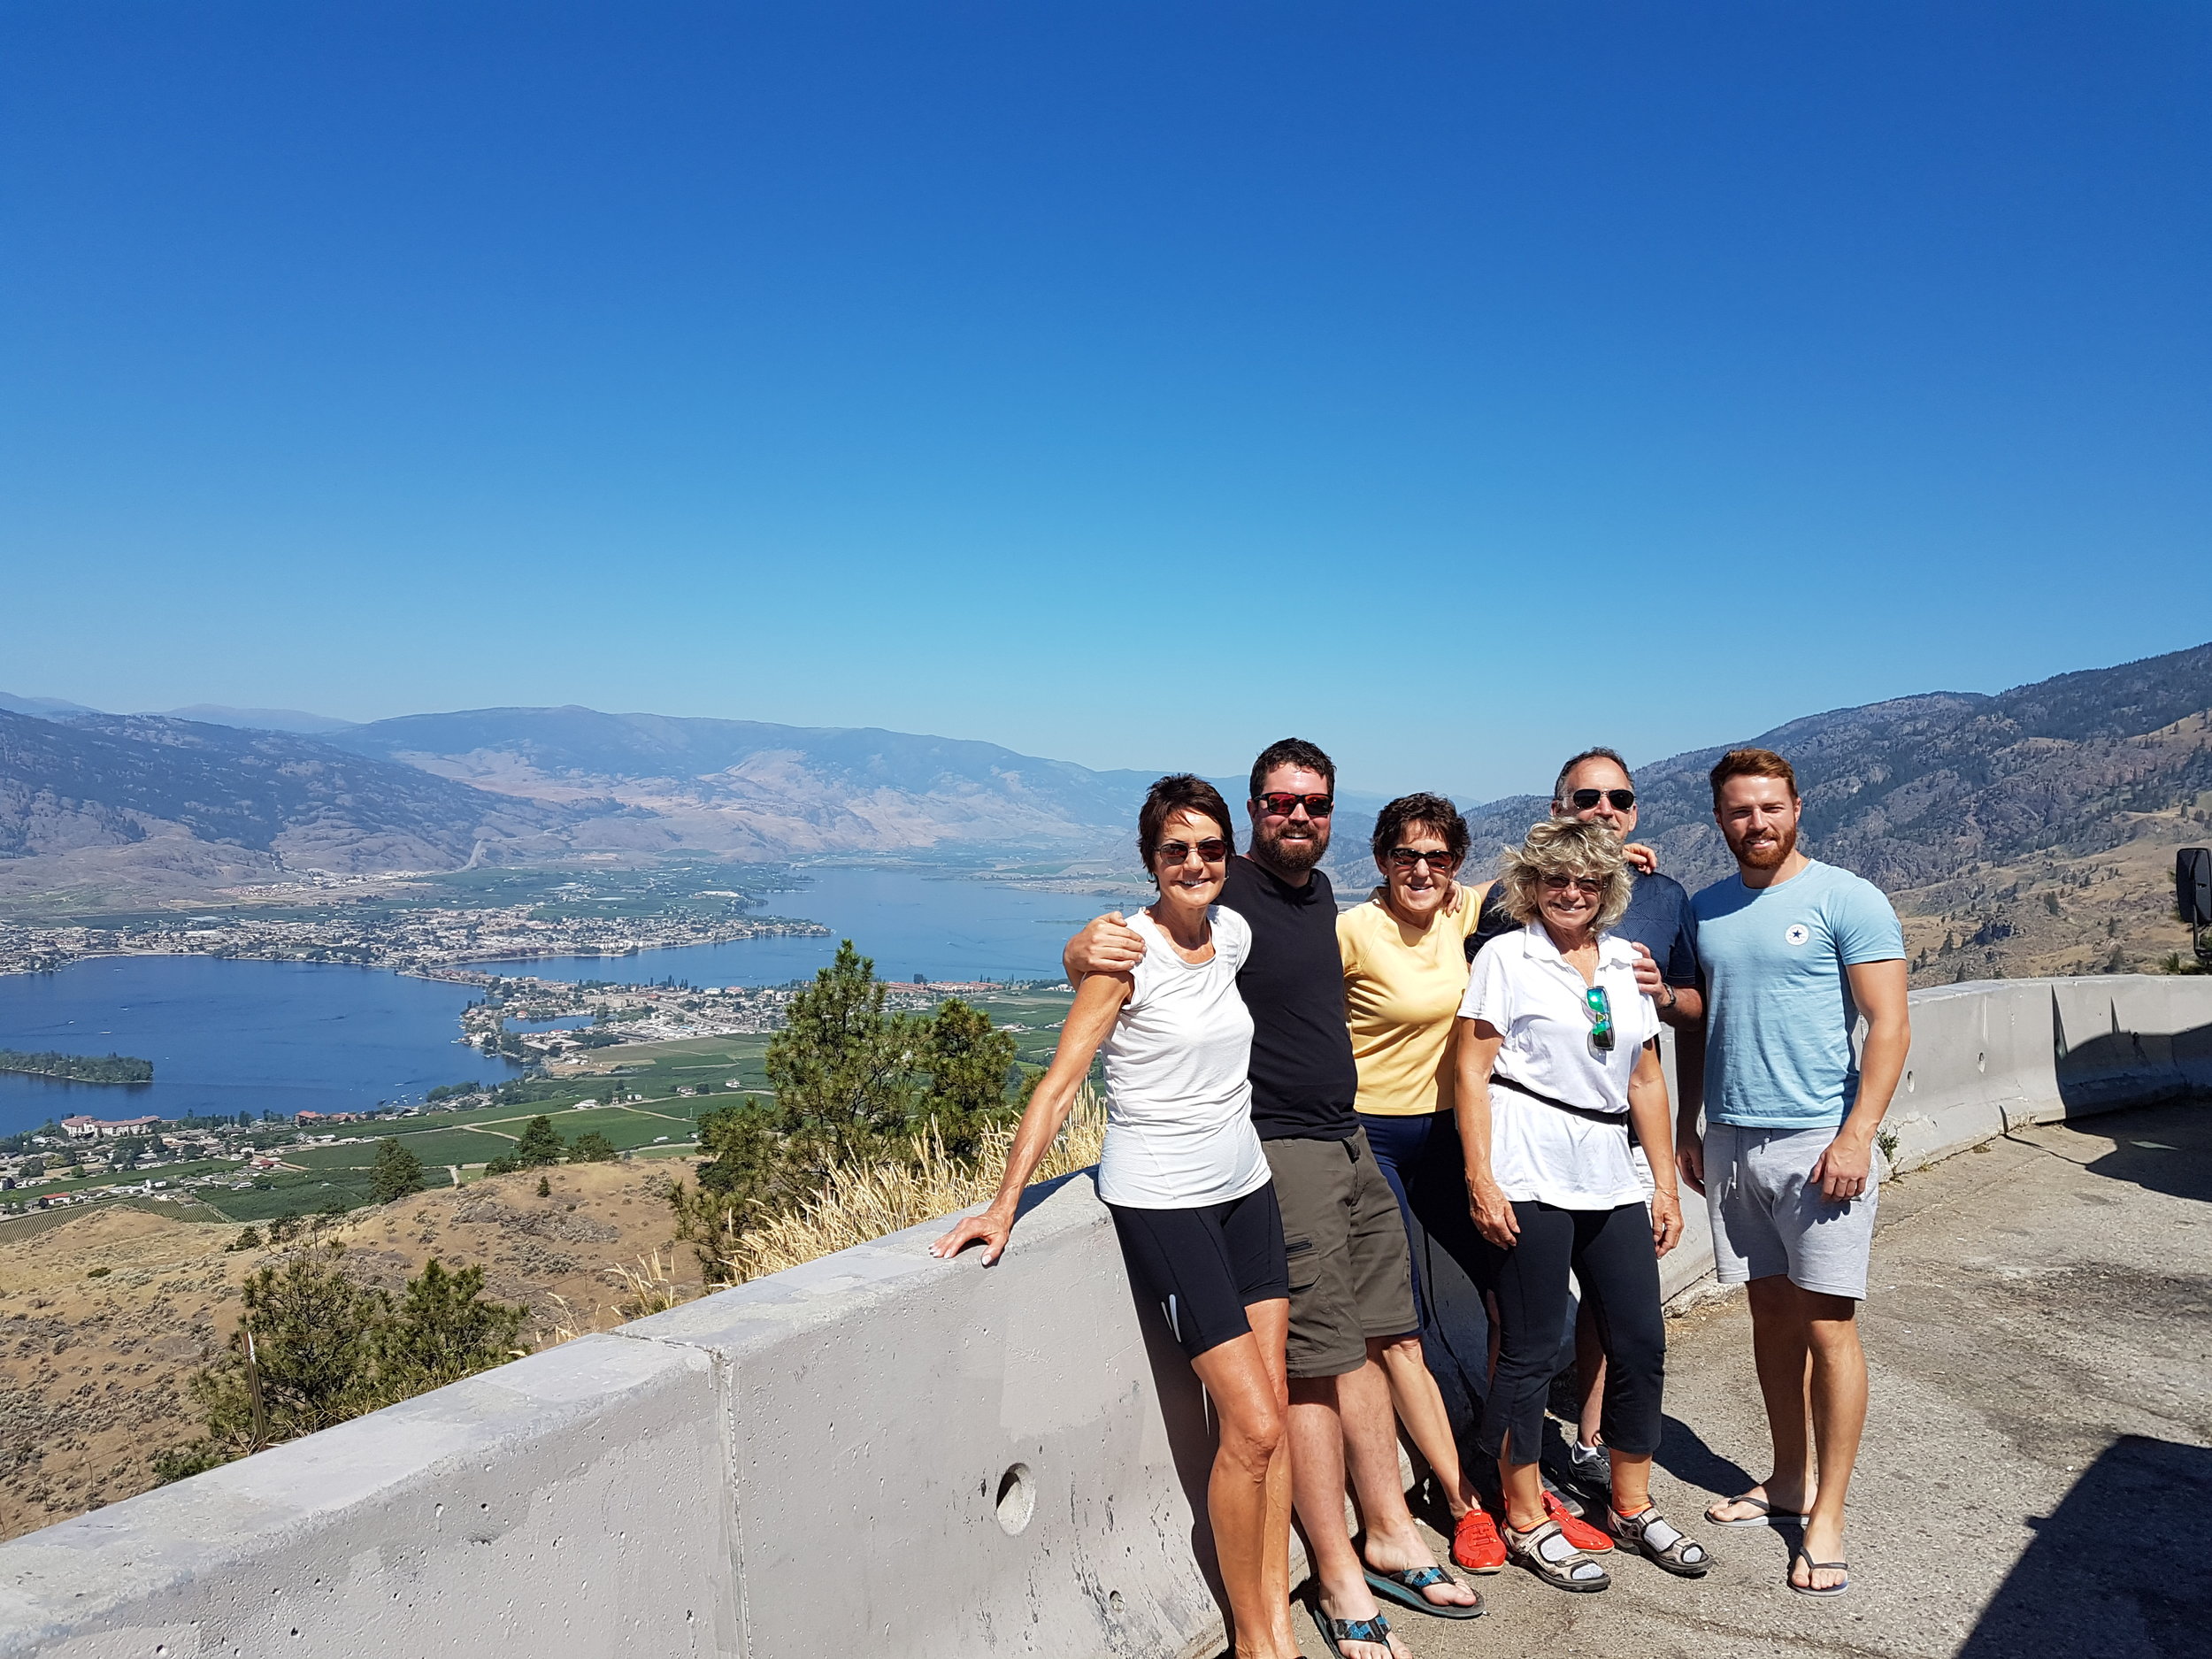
x=1652 y=1535
x=1544 y=1550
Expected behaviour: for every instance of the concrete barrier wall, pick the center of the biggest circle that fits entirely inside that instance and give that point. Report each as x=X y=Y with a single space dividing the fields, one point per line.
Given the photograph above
x=876 y=1453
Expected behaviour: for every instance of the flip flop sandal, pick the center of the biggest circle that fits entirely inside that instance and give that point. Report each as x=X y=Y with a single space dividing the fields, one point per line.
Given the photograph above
x=1563 y=1568
x=1337 y=1632
x=1405 y=1588
x=1661 y=1542
x=1767 y=1514
x=1811 y=1567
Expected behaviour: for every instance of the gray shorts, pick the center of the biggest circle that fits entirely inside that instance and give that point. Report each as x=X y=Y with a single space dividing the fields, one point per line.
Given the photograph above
x=1344 y=1241
x=1768 y=1219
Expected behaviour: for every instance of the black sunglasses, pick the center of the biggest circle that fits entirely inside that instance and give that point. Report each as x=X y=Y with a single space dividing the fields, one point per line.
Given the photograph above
x=1282 y=804
x=1585 y=799
x=1406 y=858
x=1213 y=850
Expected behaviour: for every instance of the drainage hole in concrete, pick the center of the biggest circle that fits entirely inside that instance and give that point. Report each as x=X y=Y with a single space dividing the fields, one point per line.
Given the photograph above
x=1017 y=1499
x=1113 y=1601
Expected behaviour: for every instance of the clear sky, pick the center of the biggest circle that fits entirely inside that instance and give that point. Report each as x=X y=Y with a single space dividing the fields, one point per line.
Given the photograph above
x=1453 y=384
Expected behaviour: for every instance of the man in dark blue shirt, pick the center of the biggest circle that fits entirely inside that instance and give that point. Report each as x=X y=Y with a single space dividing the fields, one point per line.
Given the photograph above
x=1595 y=786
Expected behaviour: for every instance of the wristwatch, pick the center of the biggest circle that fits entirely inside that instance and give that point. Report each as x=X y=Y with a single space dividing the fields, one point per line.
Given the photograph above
x=1669 y=989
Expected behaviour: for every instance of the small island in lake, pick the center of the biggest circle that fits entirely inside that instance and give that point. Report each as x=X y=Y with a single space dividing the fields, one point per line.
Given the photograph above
x=79 y=1068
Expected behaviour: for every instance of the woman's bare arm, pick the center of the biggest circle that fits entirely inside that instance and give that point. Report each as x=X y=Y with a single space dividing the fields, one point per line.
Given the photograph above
x=1098 y=1001
x=1479 y=1042
x=1648 y=1116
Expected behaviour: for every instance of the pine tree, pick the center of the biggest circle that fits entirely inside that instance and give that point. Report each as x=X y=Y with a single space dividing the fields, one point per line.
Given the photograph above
x=539 y=1144
x=968 y=1060
x=396 y=1173
x=841 y=1067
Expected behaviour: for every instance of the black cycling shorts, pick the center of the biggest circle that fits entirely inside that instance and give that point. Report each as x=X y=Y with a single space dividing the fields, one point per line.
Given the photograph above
x=1205 y=1266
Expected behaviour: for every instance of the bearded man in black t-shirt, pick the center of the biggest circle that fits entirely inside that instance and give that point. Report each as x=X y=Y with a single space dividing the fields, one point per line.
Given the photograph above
x=1350 y=1274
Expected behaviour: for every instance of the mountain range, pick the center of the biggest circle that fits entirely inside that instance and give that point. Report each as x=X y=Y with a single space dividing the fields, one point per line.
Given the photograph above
x=1979 y=812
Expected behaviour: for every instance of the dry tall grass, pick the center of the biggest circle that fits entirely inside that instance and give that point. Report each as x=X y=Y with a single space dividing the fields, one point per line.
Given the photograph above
x=864 y=1202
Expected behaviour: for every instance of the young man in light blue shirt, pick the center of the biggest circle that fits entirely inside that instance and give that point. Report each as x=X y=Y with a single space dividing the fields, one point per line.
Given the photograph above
x=1793 y=951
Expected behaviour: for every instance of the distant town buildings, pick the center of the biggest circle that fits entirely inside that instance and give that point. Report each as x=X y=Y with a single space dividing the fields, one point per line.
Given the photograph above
x=82 y=1127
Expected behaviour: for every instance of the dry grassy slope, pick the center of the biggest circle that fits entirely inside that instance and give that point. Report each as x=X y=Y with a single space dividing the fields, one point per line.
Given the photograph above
x=93 y=1372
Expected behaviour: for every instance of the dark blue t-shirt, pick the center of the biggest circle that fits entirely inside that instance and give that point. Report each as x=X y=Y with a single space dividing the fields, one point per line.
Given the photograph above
x=1658 y=918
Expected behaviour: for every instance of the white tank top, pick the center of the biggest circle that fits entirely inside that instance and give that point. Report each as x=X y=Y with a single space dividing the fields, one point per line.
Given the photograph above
x=1178 y=1111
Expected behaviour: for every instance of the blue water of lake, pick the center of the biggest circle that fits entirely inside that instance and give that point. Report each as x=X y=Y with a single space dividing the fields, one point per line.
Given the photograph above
x=280 y=1036
x=910 y=922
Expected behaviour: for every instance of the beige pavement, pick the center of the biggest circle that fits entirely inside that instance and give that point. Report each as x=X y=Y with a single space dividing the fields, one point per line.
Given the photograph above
x=2036 y=1478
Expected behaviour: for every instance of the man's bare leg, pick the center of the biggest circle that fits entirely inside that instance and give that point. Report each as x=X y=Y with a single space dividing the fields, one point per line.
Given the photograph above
x=1839 y=1412
x=1316 y=1481
x=1781 y=1350
x=1371 y=1443
x=1590 y=1373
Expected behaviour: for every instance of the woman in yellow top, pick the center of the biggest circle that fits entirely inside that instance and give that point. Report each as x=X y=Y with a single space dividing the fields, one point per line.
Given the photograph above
x=1405 y=974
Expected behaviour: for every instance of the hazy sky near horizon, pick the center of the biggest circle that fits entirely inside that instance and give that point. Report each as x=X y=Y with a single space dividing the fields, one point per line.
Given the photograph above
x=1455 y=385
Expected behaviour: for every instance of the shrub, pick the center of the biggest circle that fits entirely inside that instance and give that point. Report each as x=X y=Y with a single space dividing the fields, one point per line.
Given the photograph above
x=314 y=1346
x=592 y=1148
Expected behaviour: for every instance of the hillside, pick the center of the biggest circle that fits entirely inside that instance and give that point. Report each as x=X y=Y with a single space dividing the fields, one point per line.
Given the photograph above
x=125 y=807
x=754 y=790
x=94 y=1370
x=2003 y=822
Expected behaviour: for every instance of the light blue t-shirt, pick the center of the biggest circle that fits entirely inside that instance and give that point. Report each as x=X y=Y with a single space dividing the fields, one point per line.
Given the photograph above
x=1779 y=1008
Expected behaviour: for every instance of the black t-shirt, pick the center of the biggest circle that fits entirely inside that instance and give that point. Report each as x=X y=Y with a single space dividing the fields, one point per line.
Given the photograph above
x=1658 y=918
x=1303 y=1077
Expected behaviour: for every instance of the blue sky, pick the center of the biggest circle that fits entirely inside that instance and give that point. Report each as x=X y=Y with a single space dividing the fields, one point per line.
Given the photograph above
x=1455 y=385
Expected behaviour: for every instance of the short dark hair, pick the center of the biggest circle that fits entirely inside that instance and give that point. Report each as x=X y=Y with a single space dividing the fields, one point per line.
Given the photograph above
x=1291 y=751
x=1180 y=792
x=1752 y=762
x=1431 y=810
x=1559 y=789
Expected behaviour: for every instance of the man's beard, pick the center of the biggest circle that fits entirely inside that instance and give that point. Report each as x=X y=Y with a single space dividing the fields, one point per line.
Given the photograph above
x=1770 y=856
x=1291 y=857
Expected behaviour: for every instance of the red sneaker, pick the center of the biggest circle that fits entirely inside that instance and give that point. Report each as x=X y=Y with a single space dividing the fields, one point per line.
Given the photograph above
x=1476 y=1546
x=1581 y=1534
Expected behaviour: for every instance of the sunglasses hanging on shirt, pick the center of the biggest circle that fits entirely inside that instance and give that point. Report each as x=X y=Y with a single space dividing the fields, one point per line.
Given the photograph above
x=1599 y=1009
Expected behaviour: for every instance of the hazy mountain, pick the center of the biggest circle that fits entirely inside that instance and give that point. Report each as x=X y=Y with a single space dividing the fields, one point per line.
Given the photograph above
x=43 y=708
x=139 y=805
x=2030 y=830
x=260 y=719
x=759 y=790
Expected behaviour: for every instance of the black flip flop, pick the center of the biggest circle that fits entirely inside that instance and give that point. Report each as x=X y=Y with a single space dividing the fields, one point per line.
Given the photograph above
x=1789 y=1573
x=1767 y=1516
x=1405 y=1588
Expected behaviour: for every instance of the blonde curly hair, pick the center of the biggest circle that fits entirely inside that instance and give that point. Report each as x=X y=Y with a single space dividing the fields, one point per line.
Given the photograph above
x=1565 y=847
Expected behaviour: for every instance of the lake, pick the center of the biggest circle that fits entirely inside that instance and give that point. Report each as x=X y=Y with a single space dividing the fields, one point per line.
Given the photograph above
x=910 y=922
x=283 y=1036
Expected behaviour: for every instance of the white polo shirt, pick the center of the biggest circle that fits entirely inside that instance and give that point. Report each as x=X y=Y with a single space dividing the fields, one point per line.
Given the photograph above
x=1523 y=988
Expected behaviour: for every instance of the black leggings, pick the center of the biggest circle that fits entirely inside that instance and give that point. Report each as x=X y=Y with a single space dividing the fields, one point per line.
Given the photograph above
x=1610 y=1254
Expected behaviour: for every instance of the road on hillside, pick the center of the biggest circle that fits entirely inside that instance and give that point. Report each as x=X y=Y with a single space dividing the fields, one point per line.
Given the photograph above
x=2036 y=1478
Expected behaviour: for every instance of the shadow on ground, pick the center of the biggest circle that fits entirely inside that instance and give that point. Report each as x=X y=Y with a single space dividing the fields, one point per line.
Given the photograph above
x=2166 y=1155
x=2118 y=1569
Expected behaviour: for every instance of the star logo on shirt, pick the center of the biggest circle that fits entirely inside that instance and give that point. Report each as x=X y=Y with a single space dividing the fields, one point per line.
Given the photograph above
x=1796 y=933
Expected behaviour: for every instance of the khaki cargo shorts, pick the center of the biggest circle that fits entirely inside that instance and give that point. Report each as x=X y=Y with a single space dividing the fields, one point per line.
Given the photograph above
x=1344 y=1238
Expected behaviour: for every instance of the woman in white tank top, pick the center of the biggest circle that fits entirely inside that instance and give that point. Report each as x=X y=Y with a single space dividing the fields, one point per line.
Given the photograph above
x=1188 y=1185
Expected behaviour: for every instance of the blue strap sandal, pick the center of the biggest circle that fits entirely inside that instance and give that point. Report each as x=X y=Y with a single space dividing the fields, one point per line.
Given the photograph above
x=1337 y=1632
x=1405 y=1587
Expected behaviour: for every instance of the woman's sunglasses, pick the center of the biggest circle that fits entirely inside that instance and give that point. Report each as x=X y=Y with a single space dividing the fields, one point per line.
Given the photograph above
x=1213 y=850
x=1585 y=799
x=1406 y=858
x=1590 y=885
